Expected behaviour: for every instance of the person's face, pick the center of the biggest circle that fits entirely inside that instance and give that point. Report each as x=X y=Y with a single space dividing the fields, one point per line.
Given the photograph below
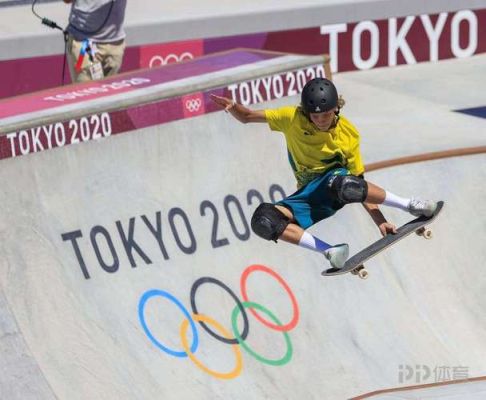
x=323 y=120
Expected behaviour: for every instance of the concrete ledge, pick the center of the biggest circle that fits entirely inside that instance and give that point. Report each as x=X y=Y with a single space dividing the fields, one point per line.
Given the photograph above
x=22 y=35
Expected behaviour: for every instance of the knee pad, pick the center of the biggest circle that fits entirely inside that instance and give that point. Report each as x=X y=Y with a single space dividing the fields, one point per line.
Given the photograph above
x=349 y=189
x=268 y=222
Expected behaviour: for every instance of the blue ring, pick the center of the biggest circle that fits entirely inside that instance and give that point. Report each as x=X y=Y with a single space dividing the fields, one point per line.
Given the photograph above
x=141 y=305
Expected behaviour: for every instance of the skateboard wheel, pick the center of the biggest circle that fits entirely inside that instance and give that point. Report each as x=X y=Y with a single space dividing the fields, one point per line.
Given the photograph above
x=360 y=271
x=363 y=273
x=426 y=233
x=420 y=232
x=357 y=269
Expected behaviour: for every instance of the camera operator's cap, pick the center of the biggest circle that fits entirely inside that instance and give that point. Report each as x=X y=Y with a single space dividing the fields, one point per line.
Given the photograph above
x=319 y=95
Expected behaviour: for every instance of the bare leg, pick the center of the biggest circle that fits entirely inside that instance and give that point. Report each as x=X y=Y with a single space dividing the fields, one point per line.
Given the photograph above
x=376 y=195
x=293 y=232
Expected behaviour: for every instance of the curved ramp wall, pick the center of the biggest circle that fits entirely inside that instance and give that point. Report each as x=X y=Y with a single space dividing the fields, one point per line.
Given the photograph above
x=421 y=304
x=105 y=243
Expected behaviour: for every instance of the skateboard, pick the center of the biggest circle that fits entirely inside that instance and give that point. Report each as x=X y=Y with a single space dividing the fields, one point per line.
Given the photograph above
x=355 y=264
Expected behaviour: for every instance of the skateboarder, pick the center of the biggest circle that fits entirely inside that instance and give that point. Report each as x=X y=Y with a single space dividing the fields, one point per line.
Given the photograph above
x=323 y=151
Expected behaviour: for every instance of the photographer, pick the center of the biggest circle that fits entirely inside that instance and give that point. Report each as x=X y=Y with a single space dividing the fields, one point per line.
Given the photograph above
x=96 y=38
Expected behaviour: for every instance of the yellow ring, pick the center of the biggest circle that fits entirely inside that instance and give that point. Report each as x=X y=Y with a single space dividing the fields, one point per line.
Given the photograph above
x=185 y=344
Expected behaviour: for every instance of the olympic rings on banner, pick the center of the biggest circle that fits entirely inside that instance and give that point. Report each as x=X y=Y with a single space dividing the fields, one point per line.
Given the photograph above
x=220 y=333
x=193 y=105
x=159 y=60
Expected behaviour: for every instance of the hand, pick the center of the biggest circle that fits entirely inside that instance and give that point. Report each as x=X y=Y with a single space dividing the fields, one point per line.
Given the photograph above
x=387 y=228
x=228 y=104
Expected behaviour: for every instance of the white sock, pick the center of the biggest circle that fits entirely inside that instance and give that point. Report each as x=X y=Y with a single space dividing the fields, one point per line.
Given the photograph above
x=392 y=200
x=312 y=243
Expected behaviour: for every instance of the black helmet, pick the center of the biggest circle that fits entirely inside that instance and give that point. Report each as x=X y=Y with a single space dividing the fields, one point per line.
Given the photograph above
x=319 y=95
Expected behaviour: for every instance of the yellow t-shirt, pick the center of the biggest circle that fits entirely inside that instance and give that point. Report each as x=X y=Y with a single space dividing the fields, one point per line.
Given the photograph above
x=313 y=152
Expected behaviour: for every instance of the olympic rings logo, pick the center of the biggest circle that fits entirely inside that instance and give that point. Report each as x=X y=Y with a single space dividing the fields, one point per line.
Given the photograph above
x=219 y=332
x=193 y=105
x=157 y=61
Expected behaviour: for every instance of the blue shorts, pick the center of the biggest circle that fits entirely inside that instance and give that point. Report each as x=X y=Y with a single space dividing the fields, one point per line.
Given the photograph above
x=314 y=202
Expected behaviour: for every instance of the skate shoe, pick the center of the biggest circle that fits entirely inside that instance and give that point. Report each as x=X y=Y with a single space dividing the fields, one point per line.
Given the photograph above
x=418 y=207
x=337 y=255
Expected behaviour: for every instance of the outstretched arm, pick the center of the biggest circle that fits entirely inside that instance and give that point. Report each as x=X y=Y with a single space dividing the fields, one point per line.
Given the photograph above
x=240 y=112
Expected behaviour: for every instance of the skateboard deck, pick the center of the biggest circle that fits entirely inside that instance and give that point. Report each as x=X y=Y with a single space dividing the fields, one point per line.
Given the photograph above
x=355 y=264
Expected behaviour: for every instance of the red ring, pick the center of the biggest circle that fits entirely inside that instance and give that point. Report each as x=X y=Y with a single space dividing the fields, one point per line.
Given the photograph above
x=244 y=277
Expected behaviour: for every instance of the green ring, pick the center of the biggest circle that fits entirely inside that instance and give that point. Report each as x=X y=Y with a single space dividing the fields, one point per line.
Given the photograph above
x=248 y=304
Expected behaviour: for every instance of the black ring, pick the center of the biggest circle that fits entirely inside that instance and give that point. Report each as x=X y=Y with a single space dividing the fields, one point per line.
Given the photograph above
x=207 y=279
